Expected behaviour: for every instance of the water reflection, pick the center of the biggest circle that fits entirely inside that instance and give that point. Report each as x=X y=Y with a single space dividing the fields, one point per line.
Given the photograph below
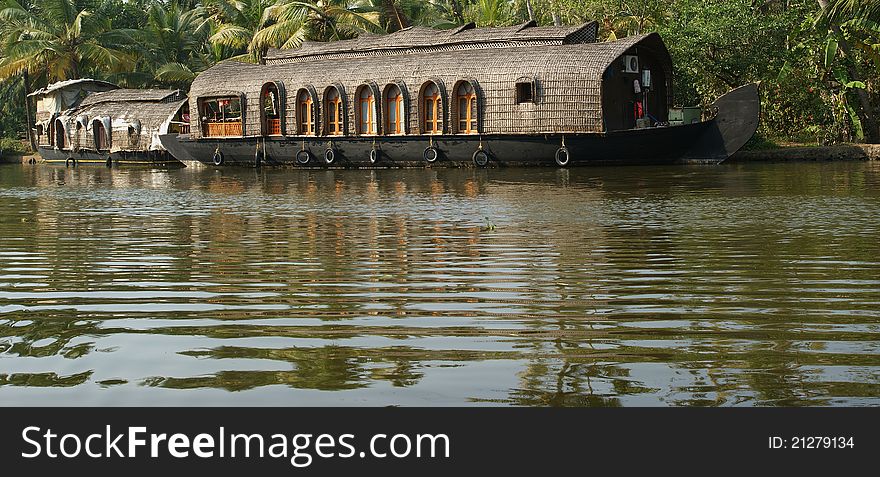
x=732 y=285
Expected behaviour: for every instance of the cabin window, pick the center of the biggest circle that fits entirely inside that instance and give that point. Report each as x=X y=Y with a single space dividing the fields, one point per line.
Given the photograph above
x=432 y=109
x=60 y=134
x=134 y=132
x=99 y=135
x=221 y=116
x=305 y=108
x=180 y=123
x=525 y=91
x=394 y=115
x=366 y=117
x=333 y=108
x=466 y=101
x=271 y=110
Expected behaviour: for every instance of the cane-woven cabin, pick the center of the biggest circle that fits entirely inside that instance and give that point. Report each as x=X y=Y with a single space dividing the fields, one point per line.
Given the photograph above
x=514 y=80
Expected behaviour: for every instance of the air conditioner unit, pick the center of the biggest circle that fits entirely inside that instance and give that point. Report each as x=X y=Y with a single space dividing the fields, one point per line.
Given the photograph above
x=630 y=64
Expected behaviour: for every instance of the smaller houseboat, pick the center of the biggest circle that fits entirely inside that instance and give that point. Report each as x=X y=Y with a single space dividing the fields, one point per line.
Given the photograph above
x=484 y=97
x=87 y=121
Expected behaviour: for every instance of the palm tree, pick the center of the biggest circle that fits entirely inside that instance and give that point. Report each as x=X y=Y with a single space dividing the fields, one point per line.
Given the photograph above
x=847 y=9
x=236 y=23
x=328 y=20
x=492 y=13
x=252 y=27
x=61 y=39
x=173 y=42
x=57 y=40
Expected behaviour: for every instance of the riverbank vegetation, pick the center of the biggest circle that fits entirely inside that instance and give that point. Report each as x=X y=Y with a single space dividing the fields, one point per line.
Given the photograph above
x=818 y=61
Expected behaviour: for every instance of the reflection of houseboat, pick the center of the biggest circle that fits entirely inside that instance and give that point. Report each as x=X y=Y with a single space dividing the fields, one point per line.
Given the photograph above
x=486 y=96
x=88 y=121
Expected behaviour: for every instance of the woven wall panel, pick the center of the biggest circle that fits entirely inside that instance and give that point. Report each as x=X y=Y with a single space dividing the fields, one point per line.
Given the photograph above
x=568 y=81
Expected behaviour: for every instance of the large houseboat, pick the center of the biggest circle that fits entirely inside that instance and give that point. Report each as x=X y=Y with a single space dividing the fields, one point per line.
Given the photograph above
x=87 y=121
x=522 y=95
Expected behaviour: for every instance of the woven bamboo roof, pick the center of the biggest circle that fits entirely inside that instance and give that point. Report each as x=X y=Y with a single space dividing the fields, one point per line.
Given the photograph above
x=149 y=113
x=137 y=95
x=74 y=82
x=421 y=38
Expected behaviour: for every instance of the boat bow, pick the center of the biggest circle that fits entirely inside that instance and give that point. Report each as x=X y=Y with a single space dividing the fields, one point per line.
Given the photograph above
x=736 y=119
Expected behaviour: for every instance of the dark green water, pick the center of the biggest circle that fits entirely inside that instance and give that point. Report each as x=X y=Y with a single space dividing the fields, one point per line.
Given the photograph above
x=717 y=285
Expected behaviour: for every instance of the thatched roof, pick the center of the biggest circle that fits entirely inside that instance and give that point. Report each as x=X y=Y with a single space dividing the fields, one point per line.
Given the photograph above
x=138 y=95
x=75 y=82
x=420 y=39
x=149 y=113
x=133 y=125
x=568 y=79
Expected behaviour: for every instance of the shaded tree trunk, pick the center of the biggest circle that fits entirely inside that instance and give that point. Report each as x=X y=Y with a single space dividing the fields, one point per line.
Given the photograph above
x=393 y=13
x=27 y=111
x=530 y=10
x=866 y=113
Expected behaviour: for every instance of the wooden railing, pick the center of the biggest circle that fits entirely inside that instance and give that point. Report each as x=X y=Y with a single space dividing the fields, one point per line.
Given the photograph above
x=178 y=127
x=273 y=127
x=229 y=128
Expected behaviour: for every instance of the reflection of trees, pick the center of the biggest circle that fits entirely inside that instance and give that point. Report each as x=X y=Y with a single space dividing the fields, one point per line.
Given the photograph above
x=326 y=368
x=592 y=276
x=42 y=380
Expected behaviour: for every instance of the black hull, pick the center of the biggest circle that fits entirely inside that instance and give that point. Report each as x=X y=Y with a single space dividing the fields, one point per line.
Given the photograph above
x=121 y=158
x=711 y=142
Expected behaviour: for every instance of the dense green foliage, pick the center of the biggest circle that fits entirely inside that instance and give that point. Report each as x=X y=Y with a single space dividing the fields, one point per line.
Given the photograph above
x=817 y=60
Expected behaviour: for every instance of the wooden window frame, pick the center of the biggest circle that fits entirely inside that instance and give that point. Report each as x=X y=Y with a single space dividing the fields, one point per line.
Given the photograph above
x=271 y=126
x=336 y=106
x=398 y=127
x=372 y=126
x=436 y=108
x=305 y=119
x=471 y=117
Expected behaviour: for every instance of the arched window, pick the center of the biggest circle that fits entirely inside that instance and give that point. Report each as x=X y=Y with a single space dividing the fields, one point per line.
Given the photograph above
x=333 y=112
x=134 y=132
x=99 y=134
x=466 y=108
x=395 y=117
x=305 y=113
x=270 y=110
x=431 y=109
x=367 y=121
x=60 y=134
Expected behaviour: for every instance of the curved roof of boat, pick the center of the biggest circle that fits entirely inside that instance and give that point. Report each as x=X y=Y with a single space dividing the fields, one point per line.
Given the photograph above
x=421 y=38
x=150 y=113
x=74 y=82
x=133 y=95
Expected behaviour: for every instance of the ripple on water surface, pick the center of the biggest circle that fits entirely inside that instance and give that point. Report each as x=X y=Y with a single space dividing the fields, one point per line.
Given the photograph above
x=730 y=285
